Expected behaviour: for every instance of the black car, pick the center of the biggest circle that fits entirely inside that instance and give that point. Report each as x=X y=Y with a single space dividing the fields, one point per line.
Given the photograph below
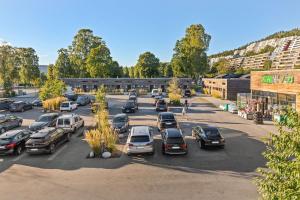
x=71 y=96
x=48 y=119
x=173 y=142
x=166 y=120
x=161 y=105
x=187 y=93
x=208 y=136
x=47 y=140
x=8 y=122
x=5 y=103
x=13 y=142
x=130 y=106
x=20 y=106
x=120 y=123
x=37 y=103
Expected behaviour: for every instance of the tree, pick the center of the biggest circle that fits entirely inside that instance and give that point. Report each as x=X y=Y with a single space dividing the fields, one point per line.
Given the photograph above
x=52 y=72
x=147 y=65
x=63 y=64
x=281 y=177
x=125 y=72
x=28 y=65
x=174 y=91
x=267 y=64
x=51 y=89
x=189 y=58
x=99 y=62
x=131 y=72
x=84 y=41
x=8 y=70
x=223 y=66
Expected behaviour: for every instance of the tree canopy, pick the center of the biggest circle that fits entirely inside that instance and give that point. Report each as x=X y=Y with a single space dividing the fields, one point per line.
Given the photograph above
x=147 y=66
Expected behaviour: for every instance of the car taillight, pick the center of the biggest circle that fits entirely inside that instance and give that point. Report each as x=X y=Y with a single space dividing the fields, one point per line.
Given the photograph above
x=131 y=145
x=183 y=146
x=168 y=146
x=10 y=146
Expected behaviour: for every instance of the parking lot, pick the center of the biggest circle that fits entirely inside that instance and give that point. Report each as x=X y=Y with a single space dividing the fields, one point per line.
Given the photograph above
x=211 y=173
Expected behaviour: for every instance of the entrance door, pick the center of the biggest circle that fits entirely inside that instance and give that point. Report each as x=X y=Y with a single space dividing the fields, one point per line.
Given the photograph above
x=151 y=88
x=84 y=88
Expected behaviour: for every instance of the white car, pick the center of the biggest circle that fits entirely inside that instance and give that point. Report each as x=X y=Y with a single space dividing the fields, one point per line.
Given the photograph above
x=155 y=92
x=140 y=140
x=68 y=106
x=70 y=122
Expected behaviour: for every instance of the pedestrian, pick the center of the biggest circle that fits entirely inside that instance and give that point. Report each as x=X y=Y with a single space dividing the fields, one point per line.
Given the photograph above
x=186 y=104
x=183 y=110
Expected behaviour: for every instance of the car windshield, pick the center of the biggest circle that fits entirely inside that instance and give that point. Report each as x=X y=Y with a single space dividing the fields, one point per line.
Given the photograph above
x=211 y=132
x=65 y=105
x=44 y=119
x=168 y=117
x=161 y=102
x=130 y=104
x=63 y=121
x=140 y=138
x=175 y=140
x=81 y=98
x=119 y=119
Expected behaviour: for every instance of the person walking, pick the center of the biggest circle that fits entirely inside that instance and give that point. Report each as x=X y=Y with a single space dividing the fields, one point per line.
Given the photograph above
x=183 y=110
x=186 y=104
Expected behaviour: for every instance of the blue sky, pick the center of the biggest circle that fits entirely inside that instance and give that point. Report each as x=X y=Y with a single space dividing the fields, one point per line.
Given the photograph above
x=134 y=26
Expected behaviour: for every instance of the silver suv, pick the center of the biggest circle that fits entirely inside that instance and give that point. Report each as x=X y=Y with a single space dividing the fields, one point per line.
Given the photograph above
x=70 y=122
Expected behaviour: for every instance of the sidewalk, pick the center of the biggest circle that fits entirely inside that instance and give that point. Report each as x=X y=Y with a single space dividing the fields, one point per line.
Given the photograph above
x=268 y=126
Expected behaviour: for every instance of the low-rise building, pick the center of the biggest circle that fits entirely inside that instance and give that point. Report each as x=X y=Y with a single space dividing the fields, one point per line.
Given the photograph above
x=226 y=88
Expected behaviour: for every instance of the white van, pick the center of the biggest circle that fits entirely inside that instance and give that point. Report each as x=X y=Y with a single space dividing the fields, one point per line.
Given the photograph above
x=70 y=122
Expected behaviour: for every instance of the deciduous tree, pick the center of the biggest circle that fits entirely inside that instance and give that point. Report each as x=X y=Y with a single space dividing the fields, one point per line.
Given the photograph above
x=147 y=65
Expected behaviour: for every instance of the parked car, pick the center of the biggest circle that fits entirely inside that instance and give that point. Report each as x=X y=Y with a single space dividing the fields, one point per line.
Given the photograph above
x=5 y=103
x=161 y=105
x=13 y=142
x=208 y=136
x=166 y=120
x=68 y=106
x=71 y=96
x=120 y=123
x=130 y=106
x=83 y=100
x=92 y=98
x=48 y=119
x=173 y=142
x=37 y=103
x=47 y=140
x=187 y=93
x=155 y=92
x=232 y=108
x=8 y=122
x=133 y=92
x=70 y=122
x=133 y=98
x=140 y=140
x=20 y=106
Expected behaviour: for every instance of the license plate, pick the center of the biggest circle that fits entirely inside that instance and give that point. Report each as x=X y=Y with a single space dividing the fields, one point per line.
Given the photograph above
x=215 y=142
x=127 y=110
x=175 y=147
x=34 y=149
x=168 y=123
x=139 y=147
x=2 y=147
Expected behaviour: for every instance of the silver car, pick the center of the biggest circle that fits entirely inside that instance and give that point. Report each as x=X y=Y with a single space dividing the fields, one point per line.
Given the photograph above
x=140 y=140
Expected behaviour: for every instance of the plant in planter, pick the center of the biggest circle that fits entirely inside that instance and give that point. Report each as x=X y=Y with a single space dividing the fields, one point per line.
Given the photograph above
x=93 y=138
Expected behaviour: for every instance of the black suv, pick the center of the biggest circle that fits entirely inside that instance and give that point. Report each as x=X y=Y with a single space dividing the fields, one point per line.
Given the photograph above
x=173 y=142
x=46 y=140
x=13 y=142
x=48 y=119
x=208 y=136
x=120 y=123
x=130 y=106
x=166 y=120
x=161 y=105
x=8 y=122
x=20 y=106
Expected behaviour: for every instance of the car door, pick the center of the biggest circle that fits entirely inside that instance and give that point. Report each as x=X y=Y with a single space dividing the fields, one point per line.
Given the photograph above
x=163 y=137
x=10 y=122
x=61 y=135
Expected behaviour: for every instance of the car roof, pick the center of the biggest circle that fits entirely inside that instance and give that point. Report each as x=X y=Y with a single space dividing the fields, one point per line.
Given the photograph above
x=50 y=114
x=67 y=115
x=173 y=132
x=120 y=115
x=166 y=113
x=140 y=130
x=19 y=102
x=10 y=133
x=207 y=127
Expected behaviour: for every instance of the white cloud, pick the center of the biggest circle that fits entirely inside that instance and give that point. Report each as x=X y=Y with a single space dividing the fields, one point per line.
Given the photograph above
x=3 y=42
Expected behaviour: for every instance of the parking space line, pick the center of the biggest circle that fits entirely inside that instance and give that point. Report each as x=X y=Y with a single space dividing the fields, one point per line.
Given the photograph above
x=57 y=153
x=19 y=157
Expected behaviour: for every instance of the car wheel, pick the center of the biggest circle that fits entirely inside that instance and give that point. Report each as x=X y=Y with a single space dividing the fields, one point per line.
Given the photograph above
x=128 y=154
x=52 y=148
x=82 y=125
x=201 y=144
x=163 y=150
x=2 y=130
x=22 y=110
x=18 y=150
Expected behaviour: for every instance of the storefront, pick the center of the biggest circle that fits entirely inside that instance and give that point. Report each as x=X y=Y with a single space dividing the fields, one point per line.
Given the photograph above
x=275 y=90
